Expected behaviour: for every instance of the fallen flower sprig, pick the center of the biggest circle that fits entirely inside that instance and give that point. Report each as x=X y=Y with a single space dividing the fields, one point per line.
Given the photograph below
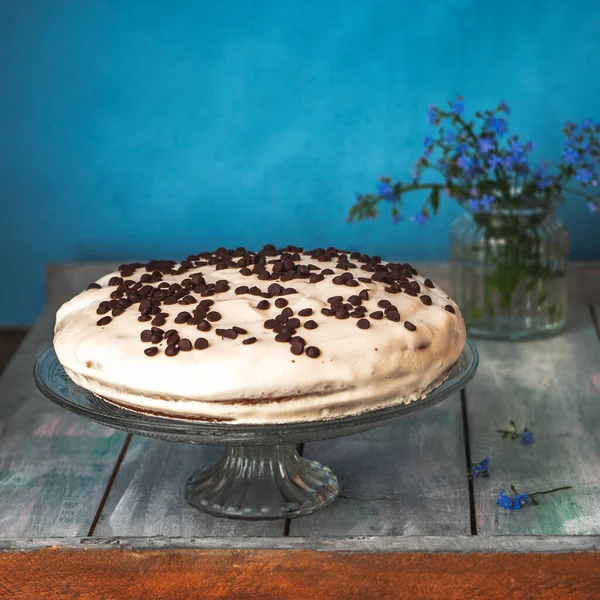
x=479 y=469
x=525 y=437
x=520 y=500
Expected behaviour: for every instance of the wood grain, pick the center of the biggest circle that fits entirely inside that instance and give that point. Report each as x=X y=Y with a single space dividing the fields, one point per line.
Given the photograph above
x=303 y=574
x=54 y=466
x=364 y=544
x=147 y=496
x=552 y=385
x=407 y=478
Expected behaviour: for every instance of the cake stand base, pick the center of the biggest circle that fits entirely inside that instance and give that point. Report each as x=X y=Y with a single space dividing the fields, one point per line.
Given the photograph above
x=262 y=482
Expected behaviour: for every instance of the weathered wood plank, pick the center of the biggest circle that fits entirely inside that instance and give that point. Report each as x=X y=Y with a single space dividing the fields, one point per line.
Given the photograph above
x=435 y=544
x=407 y=478
x=147 y=495
x=552 y=385
x=54 y=466
x=303 y=574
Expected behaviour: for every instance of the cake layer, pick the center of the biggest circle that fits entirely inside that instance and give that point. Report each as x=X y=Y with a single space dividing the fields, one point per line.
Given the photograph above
x=274 y=336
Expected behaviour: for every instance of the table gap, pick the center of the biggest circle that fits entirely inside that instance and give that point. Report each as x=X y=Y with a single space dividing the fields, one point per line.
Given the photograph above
x=109 y=485
x=468 y=459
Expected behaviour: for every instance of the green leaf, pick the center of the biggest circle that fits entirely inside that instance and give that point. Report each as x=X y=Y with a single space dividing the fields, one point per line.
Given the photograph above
x=434 y=200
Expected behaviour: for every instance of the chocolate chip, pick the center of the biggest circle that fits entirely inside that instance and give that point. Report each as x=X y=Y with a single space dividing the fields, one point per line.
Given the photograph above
x=310 y=324
x=219 y=331
x=393 y=315
x=384 y=303
x=355 y=300
x=156 y=338
x=378 y=314
x=183 y=317
x=426 y=300
x=159 y=321
x=203 y=326
x=363 y=323
x=185 y=345
x=313 y=352
x=428 y=283
x=328 y=312
x=249 y=341
x=170 y=300
x=287 y=312
x=364 y=280
x=146 y=335
x=293 y=323
x=201 y=343
x=115 y=281
x=144 y=318
x=297 y=339
x=281 y=303
x=213 y=316
x=284 y=336
x=104 y=321
x=102 y=310
x=239 y=330
x=357 y=314
x=335 y=299
x=363 y=295
x=450 y=309
x=289 y=291
x=410 y=326
x=93 y=286
x=229 y=334
x=171 y=350
x=342 y=314
x=243 y=289
x=305 y=312
x=339 y=280
x=172 y=340
x=297 y=348
x=125 y=303
x=152 y=351
x=263 y=305
x=275 y=289
x=414 y=285
x=245 y=272
x=166 y=333
x=117 y=311
x=352 y=283
x=270 y=323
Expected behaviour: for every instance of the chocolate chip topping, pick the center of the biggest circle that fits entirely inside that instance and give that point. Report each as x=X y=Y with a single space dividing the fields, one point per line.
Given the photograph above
x=378 y=314
x=313 y=352
x=310 y=324
x=281 y=302
x=410 y=326
x=450 y=309
x=249 y=341
x=363 y=323
x=172 y=351
x=426 y=300
x=305 y=312
x=263 y=305
x=152 y=351
x=201 y=343
x=104 y=321
x=428 y=283
x=185 y=345
x=213 y=316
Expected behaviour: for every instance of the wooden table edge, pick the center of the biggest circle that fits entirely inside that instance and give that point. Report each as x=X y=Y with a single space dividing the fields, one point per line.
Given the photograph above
x=365 y=545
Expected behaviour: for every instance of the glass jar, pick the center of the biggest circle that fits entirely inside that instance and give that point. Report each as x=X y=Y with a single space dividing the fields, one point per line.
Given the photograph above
x=508 y=272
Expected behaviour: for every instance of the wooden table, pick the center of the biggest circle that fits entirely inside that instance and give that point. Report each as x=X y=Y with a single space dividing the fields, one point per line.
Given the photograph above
x=89 y=512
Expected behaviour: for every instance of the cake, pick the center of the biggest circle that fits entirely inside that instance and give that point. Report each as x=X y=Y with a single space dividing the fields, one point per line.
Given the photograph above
x=278 y=335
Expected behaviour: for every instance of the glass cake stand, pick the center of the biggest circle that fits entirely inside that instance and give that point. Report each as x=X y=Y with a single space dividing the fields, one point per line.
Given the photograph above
x=261 y=475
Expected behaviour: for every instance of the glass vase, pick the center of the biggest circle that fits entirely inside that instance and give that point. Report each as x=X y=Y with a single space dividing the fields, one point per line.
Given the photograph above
x=508 y=272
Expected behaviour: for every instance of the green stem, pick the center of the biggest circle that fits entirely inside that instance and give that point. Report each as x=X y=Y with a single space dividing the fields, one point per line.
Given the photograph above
x=558 y=489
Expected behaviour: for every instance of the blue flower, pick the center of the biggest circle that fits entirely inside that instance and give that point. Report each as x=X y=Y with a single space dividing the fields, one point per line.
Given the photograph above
x=543 y=179
x=458 y=107
x=495 y=161
x=497 y=125
x=503 y=107
x=450 y=136
x=432 y=115
x=509 y=503
x=486 y=202
x=570 y=155
x=592 y=206
x=480 y=469
x=420 y=218
x=386 y=190
x=465 y=162
x=485 y=145
x=474 y=205
x=526 y=438
x=584 y=175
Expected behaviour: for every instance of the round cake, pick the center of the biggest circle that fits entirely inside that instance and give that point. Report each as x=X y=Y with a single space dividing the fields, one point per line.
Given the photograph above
x=272 y=336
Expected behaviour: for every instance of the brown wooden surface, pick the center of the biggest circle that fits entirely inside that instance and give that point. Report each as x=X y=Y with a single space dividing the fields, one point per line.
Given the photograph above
x=306 y=574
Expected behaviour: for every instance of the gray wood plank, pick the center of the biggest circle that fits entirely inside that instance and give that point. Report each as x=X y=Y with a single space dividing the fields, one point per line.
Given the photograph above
x=147 y=496
x=552 y=385
x=54 y=466
x=444 y=544
x=407 y=478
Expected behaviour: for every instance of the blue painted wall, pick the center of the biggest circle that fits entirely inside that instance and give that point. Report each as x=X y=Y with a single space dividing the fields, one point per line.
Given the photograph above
x=139 y=128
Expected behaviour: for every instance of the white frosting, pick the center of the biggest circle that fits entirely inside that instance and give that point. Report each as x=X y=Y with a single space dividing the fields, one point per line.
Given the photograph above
x=357 y=369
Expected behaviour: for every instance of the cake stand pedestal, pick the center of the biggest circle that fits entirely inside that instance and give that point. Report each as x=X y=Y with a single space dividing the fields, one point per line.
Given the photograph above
x=261 y=474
